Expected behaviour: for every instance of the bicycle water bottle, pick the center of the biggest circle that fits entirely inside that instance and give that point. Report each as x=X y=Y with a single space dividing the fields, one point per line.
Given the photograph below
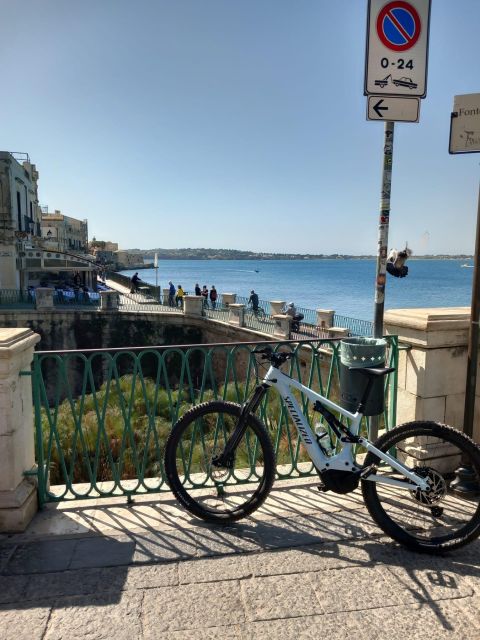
x=323 y=439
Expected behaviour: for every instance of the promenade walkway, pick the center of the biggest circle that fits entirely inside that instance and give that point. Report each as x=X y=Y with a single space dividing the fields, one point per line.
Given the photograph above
x=308 y=565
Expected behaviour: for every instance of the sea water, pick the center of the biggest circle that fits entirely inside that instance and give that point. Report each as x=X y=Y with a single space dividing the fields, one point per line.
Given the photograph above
x=347 y=286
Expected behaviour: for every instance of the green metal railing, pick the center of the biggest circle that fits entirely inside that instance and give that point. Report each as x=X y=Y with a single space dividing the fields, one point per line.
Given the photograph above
x=102 y=416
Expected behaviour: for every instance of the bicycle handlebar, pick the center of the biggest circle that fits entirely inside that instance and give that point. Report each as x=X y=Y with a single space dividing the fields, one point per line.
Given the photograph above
x=276 y=359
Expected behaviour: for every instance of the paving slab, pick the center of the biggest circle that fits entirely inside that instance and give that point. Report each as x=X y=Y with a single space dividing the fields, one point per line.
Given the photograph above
x=192 y=607
x=211 y=569
x=40 y=557
x=96 y=616
x=23 y=623
x=288 y=572
x=271 y=597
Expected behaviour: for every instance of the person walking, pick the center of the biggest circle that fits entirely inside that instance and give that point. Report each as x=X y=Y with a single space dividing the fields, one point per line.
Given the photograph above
x=179 y=297
x=213 y=296
x=253 y=300
x=171 y=294
x=134 y=280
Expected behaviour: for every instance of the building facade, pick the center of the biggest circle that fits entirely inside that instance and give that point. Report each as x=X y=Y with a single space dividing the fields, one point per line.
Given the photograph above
x=34 y=252
x=20 y=214
x=64 y=233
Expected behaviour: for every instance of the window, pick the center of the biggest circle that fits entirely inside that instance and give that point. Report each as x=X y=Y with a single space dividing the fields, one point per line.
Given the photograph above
x=19 y=211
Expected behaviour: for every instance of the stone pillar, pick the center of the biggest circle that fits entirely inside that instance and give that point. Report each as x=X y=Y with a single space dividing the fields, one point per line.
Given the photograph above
x=281 y=328
x=108 y=300
x=229 y=298
x=325 y=318
x=44 y=298
x=432 y=371
x=237 y=314
x=338 y=332
x=18 y=494
x=192 y=305
x=277 y=307
x=165 y=293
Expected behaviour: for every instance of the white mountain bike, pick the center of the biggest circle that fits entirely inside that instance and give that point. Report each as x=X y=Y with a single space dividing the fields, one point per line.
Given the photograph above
x=220 y=463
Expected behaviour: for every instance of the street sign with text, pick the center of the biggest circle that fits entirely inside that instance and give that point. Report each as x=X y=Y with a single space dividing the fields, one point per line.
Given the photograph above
x=465 y=124
x=397 y=48
x=393 y=108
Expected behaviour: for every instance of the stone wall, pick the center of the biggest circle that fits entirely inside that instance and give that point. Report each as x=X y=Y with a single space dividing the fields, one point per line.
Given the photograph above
x=432 y=371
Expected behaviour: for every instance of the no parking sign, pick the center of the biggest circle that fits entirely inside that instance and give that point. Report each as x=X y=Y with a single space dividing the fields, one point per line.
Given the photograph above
x=397 y=47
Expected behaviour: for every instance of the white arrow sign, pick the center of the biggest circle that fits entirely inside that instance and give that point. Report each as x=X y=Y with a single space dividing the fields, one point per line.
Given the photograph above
x=393 y=109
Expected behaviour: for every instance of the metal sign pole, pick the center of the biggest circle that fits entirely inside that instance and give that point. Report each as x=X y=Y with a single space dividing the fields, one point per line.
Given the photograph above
x=383 y=225
x=473 y=337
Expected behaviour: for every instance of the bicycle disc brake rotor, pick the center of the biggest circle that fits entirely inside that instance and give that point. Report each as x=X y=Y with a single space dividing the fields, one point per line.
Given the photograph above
x=437 y=488
x=218 y=473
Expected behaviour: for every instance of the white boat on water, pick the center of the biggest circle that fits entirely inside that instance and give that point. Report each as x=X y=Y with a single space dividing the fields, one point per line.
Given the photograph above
x=467 y=266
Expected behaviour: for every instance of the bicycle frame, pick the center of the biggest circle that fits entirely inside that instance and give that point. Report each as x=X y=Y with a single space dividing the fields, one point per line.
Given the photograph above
x=345 y=459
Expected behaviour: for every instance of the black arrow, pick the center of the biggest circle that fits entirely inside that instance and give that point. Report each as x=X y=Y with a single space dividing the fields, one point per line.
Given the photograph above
x=378 y=109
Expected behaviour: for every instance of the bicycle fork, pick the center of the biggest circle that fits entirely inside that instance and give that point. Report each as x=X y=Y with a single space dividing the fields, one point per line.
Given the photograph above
x=226 y=458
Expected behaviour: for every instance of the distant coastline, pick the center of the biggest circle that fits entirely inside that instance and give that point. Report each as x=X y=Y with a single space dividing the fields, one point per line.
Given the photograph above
x=233 y=254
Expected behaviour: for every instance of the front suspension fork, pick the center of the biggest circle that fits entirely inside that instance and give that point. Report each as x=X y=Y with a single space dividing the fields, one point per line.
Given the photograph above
x=225 y=459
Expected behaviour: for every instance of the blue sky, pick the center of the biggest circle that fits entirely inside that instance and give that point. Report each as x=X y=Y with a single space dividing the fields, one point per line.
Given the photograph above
x=236 y=124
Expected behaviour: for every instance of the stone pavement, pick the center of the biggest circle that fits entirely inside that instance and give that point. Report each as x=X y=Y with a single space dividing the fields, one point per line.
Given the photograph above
x=308 y=565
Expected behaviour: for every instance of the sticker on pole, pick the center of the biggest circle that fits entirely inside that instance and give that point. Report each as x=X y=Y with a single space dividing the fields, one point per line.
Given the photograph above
x=397 y=48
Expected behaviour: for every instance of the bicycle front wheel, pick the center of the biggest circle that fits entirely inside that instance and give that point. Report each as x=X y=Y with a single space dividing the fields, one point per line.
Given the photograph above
x=441 y=519
x=213 y=493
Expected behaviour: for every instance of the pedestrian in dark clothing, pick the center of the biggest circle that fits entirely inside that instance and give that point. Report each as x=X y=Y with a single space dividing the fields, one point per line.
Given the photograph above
x=213 y=296
x=205 y=295
x=198 y=291
x=253 y=300
x=134 y=280
x=171 y=294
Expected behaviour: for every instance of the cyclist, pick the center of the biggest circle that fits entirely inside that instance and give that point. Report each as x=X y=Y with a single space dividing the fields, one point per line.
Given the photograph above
x=296 y=317
x=253 y=300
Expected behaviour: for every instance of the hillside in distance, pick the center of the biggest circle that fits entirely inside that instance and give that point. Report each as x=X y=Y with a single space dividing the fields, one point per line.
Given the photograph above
x=235 y=254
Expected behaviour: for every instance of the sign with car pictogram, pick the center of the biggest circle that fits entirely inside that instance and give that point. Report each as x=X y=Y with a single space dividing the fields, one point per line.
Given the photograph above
x=397 y=48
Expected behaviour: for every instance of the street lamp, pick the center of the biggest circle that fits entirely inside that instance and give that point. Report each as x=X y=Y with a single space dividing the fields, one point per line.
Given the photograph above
x=155 y=265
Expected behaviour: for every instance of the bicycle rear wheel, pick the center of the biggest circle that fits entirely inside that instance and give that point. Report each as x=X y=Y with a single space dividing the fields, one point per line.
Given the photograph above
x=440 y=519
x=218 y=494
